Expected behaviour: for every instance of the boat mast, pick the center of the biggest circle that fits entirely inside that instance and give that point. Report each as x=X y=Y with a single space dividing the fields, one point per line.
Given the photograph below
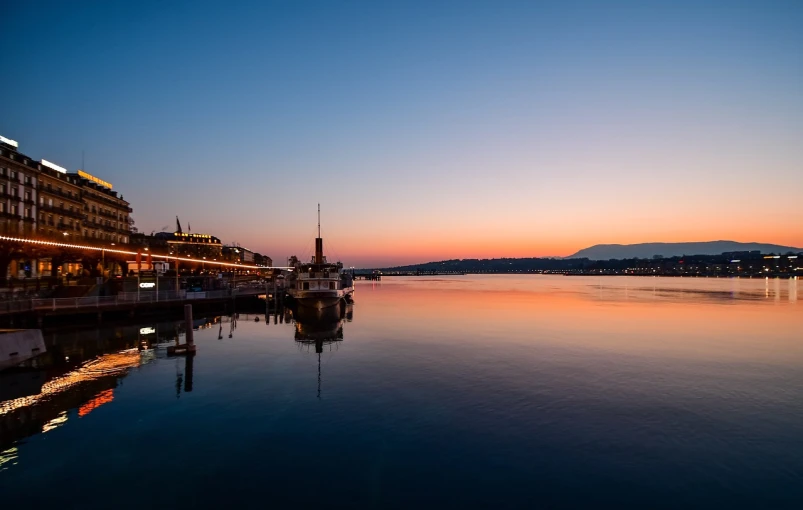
x=319 y=241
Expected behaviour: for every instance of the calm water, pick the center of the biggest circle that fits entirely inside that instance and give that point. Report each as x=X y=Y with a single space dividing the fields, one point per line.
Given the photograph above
x=459 y=392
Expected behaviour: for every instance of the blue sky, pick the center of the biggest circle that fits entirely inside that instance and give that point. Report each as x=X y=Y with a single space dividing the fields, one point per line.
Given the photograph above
x=426 y=130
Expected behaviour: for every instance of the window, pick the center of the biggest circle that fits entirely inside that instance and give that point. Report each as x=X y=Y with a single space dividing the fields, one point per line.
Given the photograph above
x=306 y=286
x=28 y=212
x=27 y=195
x=3 y=189
x=13 y=175
x=15 y=191
x=2 y=171
x=27 y=179
x=14 y=210
x=2 y=207
x=50 y=202
x=61 y=205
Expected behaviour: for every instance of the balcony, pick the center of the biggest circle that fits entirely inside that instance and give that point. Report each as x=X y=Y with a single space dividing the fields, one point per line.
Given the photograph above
x=50 y=191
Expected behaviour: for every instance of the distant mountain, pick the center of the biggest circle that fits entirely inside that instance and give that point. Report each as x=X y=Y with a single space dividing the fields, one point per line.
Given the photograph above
x=648 y=250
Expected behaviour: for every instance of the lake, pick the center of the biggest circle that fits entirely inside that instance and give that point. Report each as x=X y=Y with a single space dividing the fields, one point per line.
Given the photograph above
x=489 y=391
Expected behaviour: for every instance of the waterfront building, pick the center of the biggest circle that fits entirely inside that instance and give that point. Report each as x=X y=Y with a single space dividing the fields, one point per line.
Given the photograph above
x=60 y=206
x=198 y=246
x=262 y=260
x=18 y=178
x=107 y=215
x=42 y=199
x=236 y=253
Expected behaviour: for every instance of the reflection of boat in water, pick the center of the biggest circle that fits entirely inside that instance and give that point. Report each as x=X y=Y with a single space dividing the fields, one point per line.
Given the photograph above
x=319 y=284
x=318 y=326
x=321 y=327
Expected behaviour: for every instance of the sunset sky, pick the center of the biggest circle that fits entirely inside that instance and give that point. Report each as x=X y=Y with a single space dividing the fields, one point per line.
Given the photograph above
x=426 y=130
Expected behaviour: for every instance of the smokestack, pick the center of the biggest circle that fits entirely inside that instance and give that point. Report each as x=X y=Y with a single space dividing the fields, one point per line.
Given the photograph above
x=318 y=250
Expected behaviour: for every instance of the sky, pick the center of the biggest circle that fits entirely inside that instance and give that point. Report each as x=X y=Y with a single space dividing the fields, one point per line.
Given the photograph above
x=426 y=130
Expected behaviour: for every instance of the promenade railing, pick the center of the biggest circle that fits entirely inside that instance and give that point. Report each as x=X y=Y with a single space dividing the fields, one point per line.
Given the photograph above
x=121 y=299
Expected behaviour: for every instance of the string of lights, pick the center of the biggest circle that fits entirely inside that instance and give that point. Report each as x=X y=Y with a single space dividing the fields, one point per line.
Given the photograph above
x=127 y=252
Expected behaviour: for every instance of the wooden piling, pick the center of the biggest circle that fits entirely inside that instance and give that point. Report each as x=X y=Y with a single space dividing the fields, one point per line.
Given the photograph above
x=188 y=324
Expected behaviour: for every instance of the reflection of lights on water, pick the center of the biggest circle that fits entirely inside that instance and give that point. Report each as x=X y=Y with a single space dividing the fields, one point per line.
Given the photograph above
x=55 y=422
x=104 y=366
x=147 y=356
x=7 y=456
x=104 y=397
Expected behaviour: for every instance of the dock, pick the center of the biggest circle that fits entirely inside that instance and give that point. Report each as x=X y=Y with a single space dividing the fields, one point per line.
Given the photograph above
x=39 y=310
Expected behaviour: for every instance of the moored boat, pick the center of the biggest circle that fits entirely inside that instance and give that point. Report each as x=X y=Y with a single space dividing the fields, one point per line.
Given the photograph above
x=319 y=283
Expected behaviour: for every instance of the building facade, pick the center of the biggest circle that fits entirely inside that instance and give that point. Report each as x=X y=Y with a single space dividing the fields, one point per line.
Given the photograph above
x=43 y=200
x=106 y=215
x=18 y=193
x=198 y=246
x=61 y=210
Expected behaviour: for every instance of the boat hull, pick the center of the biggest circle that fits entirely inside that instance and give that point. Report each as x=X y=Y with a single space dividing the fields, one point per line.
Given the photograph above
x=317 y=299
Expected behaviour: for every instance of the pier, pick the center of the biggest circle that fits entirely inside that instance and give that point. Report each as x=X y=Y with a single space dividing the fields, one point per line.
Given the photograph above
x=125 y=303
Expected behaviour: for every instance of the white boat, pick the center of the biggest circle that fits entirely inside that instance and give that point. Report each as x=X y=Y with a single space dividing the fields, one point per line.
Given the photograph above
x=319 y=284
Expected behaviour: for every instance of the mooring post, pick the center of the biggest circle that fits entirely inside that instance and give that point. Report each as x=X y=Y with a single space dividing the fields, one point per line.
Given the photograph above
x=188 y=323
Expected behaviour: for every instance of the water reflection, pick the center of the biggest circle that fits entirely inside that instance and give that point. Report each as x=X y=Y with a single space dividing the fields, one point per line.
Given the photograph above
x=80 y=370
x=320 y=328
x=49 y=393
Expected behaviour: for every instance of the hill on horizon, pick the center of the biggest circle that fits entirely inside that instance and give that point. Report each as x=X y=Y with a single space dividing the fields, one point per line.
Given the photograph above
x=648 y=250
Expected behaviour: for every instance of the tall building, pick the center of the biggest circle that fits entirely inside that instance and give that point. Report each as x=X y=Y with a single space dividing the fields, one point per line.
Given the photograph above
x=61 y=210
x=18 y=179
x=41 y=199
x=106 y=214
